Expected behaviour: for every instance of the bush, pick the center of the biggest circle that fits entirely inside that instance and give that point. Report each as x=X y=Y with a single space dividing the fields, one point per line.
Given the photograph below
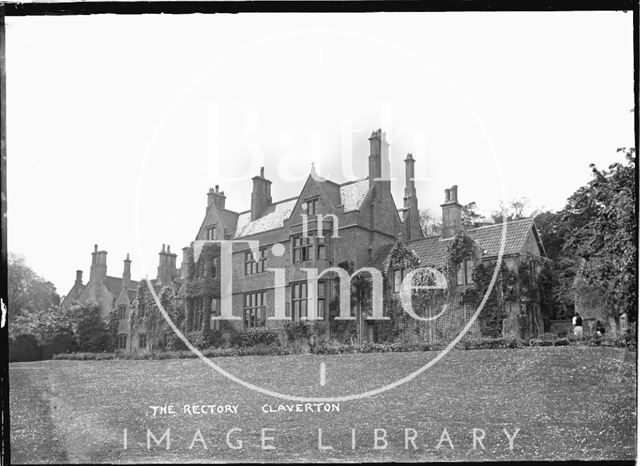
x=200 y=339
x=296 y=331
x=256 y=336
x=60 y=343
x=24 y=347
x=489 y=343
x=369 y=347
x=175 y=343
x=257 y=350
x=85 y=356
x=93 y=334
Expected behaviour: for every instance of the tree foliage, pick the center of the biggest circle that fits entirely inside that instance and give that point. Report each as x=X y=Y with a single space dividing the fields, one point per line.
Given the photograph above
x=514 y=209
x=90 y=328
x=602 y=217
x=31 y=298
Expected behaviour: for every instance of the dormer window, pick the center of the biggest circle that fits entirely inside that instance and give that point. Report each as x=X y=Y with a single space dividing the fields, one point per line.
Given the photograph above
x=211 y=233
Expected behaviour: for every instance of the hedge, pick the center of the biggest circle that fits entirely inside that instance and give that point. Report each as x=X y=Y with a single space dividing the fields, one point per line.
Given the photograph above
x=60 y=343
x=24 y=347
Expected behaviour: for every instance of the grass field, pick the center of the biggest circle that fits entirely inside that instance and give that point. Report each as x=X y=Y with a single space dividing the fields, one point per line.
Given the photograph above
x=568 y=402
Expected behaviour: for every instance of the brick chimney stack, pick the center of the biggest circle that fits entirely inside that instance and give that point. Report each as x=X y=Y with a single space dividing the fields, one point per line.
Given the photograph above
x=451 y=213
x=183 y=266
x=166 y=266
x=98 y=265
x=216 y=197
x=261 y=195
x=379 y=166
x=78 y=277
x=411 y=213
x=126 y=273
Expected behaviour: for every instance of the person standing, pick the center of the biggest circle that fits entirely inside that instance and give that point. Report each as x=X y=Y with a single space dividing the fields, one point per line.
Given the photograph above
x=577 y=325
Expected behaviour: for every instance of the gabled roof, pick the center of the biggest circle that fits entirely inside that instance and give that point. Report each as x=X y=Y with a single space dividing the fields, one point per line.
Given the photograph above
x=275 y=216
x=350 y=195
x=114 y=285
x=432 y=251
x=353 y=193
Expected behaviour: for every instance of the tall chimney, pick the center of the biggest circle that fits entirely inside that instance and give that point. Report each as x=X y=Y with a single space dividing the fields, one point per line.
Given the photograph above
x=411 y=213
x=451 y=213
x=183 y=266
x=261 y=195
x=126 y=273
x=98 y=270
x=78 y=277
x=166 y=266
x=217 y=197
x=375 y=152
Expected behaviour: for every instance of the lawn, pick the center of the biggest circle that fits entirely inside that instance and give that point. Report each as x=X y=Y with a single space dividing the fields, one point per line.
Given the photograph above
x=567 y=402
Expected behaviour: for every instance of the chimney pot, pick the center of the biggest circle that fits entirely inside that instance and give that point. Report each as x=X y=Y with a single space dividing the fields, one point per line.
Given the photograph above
x=454 y=193
x=217 y=188
x=447 y=195
x=95 y=248
x=168 y=249
x=262 y=172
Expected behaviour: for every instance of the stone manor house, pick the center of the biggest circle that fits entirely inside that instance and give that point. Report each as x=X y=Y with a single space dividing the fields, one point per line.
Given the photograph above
x=359 y=226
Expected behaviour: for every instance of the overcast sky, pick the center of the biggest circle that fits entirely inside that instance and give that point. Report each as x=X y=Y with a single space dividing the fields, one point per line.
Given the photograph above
x=117 y=126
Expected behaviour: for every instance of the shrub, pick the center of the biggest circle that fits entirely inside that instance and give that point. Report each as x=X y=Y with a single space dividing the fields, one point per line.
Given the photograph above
x=369 y=347
x=296 y=331
x=489 y=343
x=256 y=336
x=175 y=343
x=60 y=343
x=24 y=347
x=200 y=339
x=85 y=356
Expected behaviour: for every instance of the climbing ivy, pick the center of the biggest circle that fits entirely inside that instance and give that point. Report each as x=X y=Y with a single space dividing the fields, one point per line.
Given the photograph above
x=145 y=315
x=529 y=286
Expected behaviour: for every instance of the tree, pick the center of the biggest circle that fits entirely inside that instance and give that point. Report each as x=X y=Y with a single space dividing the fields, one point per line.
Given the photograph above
x=514 y=209
x=27 y=291
x=32 y=300
x=602 y=219
x=430 y=224
x=560 y=274
x=470 y=215
x=90 y=328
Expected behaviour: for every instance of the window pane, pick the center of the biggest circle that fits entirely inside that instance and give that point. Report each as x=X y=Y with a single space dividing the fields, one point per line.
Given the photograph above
x=321 y=289
x=397 y=280
x=460 y=275
x=321 y=308
x=469 y=272
x=303 y=308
